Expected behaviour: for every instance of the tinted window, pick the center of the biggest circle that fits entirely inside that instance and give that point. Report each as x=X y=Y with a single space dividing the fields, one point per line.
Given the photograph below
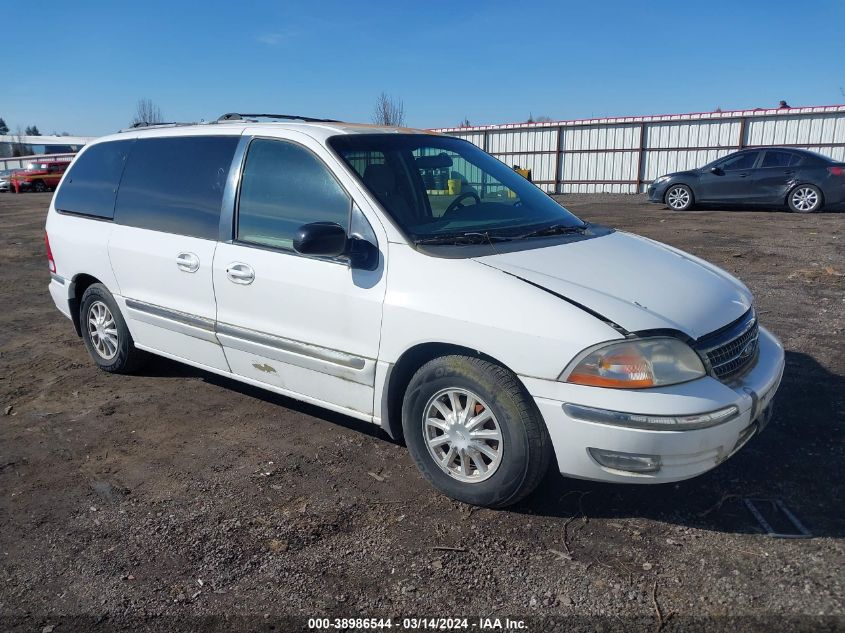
x=91 y=183
x=775 y=158
x=740 y=161
x=175 y=185
x=283 y=187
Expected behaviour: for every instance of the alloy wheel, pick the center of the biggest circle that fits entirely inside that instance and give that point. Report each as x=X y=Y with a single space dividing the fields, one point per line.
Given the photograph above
x=805 y=199
x=462 y=435
x=678 y=198
x=103 y=330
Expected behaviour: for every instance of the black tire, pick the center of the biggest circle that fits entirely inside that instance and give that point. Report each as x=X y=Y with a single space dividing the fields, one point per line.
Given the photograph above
x=525 y=444
x=679 y=198
x=805 y=199
x=126 y=358
x=39 y=186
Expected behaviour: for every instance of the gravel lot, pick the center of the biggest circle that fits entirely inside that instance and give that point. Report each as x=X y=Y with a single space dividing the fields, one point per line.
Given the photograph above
x=181 y=500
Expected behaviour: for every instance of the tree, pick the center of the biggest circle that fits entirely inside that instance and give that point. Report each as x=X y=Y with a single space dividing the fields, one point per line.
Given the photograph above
x=32 y=130
x=538 y=119
x=4 y=129
x=465 y=123
x=18 y=148
x=147 y=113
x=389 y=111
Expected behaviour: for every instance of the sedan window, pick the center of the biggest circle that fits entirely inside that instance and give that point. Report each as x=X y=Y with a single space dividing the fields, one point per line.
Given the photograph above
x=745 y=160
x=778 y=158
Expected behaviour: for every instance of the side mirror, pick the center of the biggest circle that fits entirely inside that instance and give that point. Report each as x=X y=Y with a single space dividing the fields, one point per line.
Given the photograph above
x=322 y=239
x=717 y=171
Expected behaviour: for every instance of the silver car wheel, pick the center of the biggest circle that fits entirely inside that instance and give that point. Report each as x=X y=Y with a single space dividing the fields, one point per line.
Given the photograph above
x=462 y=435
x=102 y=330
x=678 y=198
x=805 y=199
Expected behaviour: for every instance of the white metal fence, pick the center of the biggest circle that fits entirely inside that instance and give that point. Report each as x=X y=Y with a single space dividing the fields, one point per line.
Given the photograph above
x=624 y=154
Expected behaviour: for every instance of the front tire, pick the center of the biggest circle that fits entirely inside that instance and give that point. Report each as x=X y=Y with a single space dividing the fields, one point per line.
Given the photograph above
x=805 y=199
x=474 y=432
x=679 y=198
x=39 y=186
x=105 y=333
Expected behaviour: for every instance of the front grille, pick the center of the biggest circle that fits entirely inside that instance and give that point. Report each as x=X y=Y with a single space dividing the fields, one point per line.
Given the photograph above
x=732 y=350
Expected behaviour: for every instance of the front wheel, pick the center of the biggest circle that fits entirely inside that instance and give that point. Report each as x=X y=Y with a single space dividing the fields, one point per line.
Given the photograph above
x=805 y=199
x=39 y=186
x=474 y=432
x=679 y=198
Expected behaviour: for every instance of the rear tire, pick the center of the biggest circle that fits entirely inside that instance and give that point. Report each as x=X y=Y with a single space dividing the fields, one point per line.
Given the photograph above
x=105 y=333
x=679 y=198
x=805 y=199
x=474 y=432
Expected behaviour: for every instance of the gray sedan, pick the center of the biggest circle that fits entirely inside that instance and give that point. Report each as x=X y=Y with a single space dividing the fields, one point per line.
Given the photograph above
x=798 y=179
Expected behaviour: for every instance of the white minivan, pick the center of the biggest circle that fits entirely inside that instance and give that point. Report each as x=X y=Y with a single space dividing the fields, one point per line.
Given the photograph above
x=411 y=280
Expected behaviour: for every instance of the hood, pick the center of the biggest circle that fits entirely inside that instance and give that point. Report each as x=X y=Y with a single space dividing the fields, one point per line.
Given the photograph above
x=687 y=172
x=633 y=281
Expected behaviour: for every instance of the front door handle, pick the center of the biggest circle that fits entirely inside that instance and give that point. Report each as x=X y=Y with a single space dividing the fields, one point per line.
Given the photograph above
x=187 y=262
x=743 y=175
x=789 y=172
x=240 y=273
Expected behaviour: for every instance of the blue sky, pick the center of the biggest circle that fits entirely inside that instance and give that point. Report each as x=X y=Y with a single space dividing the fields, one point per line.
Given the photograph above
x=81 y=66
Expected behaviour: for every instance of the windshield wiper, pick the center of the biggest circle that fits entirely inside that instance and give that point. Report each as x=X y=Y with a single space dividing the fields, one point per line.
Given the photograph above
x=467 y=238
x=555 y=229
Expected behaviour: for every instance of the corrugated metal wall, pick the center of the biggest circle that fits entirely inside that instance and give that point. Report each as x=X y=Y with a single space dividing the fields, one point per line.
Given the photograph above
x=622 y=155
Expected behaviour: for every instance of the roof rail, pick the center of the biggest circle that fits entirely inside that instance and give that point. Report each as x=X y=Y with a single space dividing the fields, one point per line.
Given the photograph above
x=236 y=116
x=145 y=124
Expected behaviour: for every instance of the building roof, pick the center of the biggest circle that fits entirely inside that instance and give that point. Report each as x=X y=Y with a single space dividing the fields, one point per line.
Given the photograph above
x=653 y=118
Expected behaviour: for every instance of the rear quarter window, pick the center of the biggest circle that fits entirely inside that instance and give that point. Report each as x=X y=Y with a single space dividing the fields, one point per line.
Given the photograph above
x=91 y=184
x=175 y=185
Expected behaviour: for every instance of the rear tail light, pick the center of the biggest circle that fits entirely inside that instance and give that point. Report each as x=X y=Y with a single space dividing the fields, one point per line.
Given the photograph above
x=836 y=171
x=50 y=259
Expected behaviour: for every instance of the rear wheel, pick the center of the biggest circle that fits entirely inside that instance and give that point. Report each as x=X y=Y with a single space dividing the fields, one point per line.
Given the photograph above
x=805 y=199
x=474 y=432
x=679 y=198
x=105 y=333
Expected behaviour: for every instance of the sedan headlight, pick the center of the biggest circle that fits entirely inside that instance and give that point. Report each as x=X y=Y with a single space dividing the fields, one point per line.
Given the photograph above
x=635 y=364
x=660 y=179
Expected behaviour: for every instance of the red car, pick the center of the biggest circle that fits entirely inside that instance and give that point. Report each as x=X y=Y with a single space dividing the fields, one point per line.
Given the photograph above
x=38 y=176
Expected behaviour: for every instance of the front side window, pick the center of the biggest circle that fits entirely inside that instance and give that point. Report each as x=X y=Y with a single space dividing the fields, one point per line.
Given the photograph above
x=437 y=186
x=283 y=187
x=745 y=160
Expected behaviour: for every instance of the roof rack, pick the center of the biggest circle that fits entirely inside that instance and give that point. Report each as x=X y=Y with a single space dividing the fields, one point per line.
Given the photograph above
x=236 y=116
x=145 y=124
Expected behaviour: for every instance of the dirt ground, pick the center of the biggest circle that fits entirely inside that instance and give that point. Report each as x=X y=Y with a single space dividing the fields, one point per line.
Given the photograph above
x=178 y=499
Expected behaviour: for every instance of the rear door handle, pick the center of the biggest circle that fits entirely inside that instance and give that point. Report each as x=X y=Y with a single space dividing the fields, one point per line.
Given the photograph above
x=239 y=273
x=743 y=175
x=187 y=262
x=789 y=172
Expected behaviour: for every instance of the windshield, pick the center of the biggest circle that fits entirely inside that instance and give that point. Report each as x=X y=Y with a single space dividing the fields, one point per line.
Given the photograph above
x=437 y=186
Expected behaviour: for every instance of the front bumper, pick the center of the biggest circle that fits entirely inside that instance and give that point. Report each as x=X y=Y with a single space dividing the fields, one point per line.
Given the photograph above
x=682 y=454
x=656 y=193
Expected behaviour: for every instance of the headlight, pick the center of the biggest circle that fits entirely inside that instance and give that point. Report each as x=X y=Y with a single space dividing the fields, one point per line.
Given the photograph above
x=660 y=179
x=635 y=364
